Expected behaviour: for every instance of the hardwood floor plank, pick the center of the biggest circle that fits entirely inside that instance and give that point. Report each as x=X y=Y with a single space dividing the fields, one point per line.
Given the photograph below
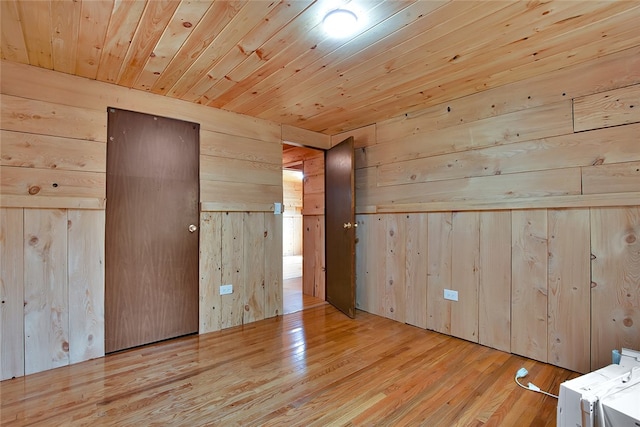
x=312 y=367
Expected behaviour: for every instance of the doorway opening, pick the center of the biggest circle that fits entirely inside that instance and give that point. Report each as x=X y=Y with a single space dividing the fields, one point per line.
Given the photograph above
x=303 y=228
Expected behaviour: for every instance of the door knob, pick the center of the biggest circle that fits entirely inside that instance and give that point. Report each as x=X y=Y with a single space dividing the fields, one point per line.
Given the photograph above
x=192 y=228
x=347 y=225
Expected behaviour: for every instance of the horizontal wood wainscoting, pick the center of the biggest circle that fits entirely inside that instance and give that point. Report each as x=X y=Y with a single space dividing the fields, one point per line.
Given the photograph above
x=310 y=368
x=526 y=200
x=53 y=177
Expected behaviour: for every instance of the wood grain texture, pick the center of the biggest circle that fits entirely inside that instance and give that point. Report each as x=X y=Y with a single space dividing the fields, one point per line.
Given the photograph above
x=12 y=254
x=86 y=269
x=239 y=147
x=240 y=192
x=615 y=178
x=36 y=16
x=363 y=258
x=496 y=187
x=604 y=109
x=210 y=304
x=46 y=290
x=569 y=282
x=240 y=171
x=313 y=185
x=12 y=43
x=608 y=72
x=439 y=272
x=603 y=146
x=305 y=137
x=615 y=275
x=262 y=377
x=372 y=235
x=394 y=296
x=313 y=263
x=274 y=60
x=90 y=98
x=541 y=122
x=10 y=201
x=273 y=269
x=51 y=118
x=529 y=289
x=362 y=137
x=51 y=183
x=50 y=152
x=416 y=240
x=65 y=22
x=233 y=268
x=572 y=201
x=155 y=17
x=494 y=291
x=253 y=298
x=465 y=275
x=94 y=22
x=122 y=25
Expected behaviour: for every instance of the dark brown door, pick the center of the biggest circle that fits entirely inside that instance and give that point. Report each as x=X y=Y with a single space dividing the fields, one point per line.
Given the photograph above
x=340 y=227
x=151 y=242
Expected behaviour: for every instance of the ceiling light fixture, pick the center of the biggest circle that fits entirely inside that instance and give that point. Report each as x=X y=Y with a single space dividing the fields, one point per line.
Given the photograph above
x=340 y=23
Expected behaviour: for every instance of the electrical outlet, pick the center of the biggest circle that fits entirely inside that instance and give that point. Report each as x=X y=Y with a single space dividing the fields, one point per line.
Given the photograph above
x=226 y=289
x=451 y=295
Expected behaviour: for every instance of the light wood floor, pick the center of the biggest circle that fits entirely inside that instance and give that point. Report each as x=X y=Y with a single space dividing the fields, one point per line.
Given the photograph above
x=312 y=367
x=294 y=300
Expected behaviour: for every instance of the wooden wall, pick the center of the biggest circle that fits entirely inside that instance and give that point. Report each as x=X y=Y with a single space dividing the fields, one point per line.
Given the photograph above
x=313 y=237
x=526 y=200
x=292 y=215
x=52 y=173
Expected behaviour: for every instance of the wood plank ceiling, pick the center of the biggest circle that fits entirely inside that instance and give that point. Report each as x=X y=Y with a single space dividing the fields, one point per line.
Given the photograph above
x=272 y=59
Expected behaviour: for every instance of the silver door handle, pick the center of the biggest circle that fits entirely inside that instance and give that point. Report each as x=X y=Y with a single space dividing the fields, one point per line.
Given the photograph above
x=349 y=225
x=192 y=228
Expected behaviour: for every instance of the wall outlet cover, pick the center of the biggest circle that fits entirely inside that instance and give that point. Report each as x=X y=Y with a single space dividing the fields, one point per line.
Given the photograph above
x=451 y=295
x=226 y=289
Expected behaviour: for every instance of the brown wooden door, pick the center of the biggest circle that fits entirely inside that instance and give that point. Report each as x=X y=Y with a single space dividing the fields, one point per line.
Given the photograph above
x=151 y=255
x=340 y=227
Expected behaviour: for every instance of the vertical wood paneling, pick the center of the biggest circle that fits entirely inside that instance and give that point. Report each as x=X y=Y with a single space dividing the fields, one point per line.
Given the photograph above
x=273 y=265
x=313 y=262
x=569 y=289
x=210 y=306
x=615 y=272
x=46 y=310
x=439 y=248
x=11 y=294
x=494 y=296
x=253 y=236
x=232 y=268
x=529 y=284
x=370 y=267
x=416 y=269
x=465 y=241
x=394 y=279
x=363 y=255
x=378 y=266
x=86 y=284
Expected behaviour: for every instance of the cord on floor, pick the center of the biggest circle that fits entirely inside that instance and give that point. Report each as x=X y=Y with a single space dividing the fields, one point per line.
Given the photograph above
x=522 y=372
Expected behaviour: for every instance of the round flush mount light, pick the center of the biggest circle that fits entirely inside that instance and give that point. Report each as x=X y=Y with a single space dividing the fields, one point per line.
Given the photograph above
x=340 y=22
